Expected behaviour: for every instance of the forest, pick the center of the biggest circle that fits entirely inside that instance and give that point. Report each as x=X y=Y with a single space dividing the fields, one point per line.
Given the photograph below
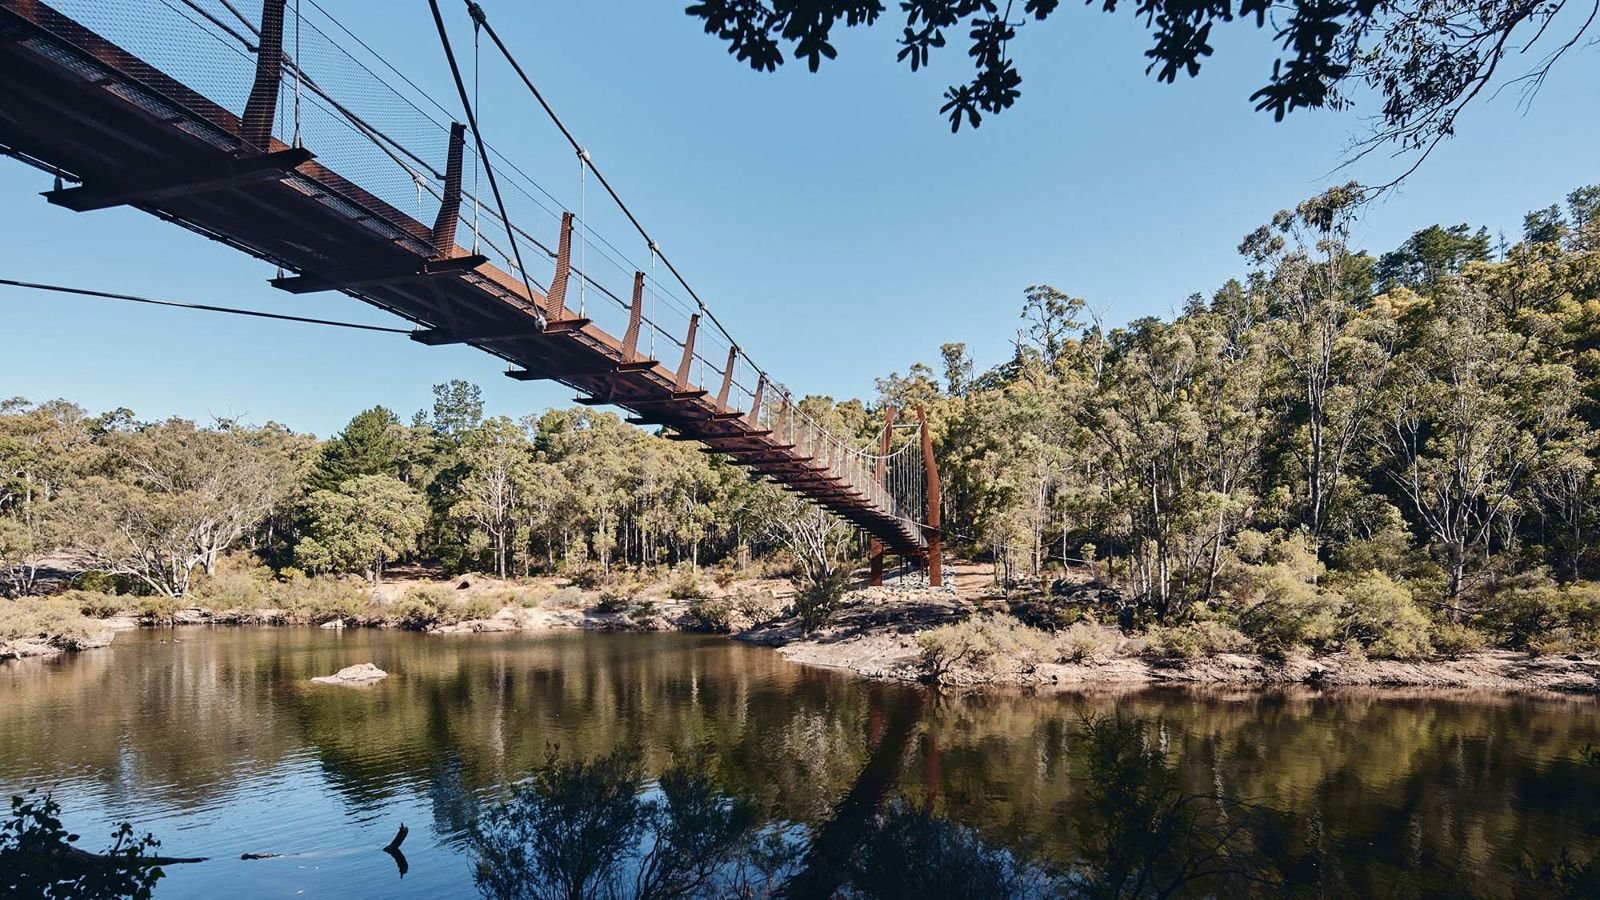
x=1393 y=451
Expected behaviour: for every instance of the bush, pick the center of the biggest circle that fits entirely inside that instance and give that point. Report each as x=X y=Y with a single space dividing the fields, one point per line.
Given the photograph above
x=1088 y=642
x=158 y=609
x=985 y=645
x=55 y=622
x=422 y=608
x=1050 y=612
x=646 y=609
x=760 y=607
x=1282 y=607
x=685 y=586
x=611 y=602
x=95 y=604
x=39 y=860
x=715 y=616
x=236 y=583
x=479 y=606
x=1193 y=640
x=323 y=599
x=1530 y=612
x=566 y=598
x=587 y=578
x=1383 y=619
x=1451 y=640
x=817 y=601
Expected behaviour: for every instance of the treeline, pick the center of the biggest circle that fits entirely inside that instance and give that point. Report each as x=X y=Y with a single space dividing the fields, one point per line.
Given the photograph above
x=1422 y=421
x=151 y=505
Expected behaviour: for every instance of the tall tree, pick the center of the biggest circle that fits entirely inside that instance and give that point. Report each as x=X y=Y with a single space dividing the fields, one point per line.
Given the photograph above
x=370 y=444
x=369 y=521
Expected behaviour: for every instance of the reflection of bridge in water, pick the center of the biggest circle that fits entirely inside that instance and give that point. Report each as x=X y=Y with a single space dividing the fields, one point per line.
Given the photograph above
x=135 y=104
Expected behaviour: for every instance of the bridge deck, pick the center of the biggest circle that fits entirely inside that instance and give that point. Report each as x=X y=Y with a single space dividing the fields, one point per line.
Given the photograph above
x=76 y=103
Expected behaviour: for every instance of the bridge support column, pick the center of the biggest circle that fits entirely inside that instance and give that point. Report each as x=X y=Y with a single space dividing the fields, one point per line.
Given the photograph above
x=875 y=549
x=931 y=472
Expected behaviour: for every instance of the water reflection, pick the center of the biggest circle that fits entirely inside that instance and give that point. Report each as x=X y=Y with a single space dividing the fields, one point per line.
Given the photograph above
x=705 y=768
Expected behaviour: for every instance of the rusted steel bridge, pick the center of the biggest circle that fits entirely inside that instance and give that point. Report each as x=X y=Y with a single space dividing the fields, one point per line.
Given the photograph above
x=182 y=110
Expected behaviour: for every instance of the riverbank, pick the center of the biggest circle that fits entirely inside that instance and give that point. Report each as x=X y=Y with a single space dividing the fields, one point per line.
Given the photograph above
x=951 y=637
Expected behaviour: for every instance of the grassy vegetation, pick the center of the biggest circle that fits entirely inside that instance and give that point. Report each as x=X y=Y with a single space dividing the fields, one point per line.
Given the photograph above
x=57 y=622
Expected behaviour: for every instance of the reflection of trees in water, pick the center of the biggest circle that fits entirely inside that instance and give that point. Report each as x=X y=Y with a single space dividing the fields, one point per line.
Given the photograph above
x=590 y=830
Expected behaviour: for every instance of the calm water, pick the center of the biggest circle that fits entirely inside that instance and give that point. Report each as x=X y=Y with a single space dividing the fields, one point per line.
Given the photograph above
x=215 y=740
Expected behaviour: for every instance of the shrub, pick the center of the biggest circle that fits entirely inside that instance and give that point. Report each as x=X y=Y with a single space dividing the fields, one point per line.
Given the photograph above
x=95 y=604
x=724 y=576
x=1088 y=642
x=1050 y=612
x=56 y=622
x=158 y=609
x=1452 y=640
x=422 y=608
x=715 y=616
x=817 y=601
x=1282 y=607
x=611 y=602
x=685 y=586
x=565 y=598
x=323 y=599
x=1383 y=619
x=1206 y=637
x=985 y=645
x=1530 y=612
x=587 y=578
x=479 y=606
x=646 y=609
x=39 y=860
x=760 y=607
x=235 y=584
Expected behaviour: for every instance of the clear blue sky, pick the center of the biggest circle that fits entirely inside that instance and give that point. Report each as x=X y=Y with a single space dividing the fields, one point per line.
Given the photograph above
x=831 y=220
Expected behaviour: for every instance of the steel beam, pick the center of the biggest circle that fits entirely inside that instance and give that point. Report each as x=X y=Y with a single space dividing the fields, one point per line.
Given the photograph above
x=433 y=268
x=246 y=170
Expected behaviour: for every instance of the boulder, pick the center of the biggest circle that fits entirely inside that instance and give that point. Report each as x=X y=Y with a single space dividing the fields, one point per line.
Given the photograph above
x=336 y=623
x=365 y=673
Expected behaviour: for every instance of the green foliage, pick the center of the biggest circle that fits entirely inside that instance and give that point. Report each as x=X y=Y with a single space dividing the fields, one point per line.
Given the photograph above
x=685 y=586
x=1279 y=603
x=158 y=609
x=1530 y=612
x=1088 y=642
x=57 y=622
x=612 y=602
x=38 y=859
x=1380 y=614
x=369 y=445
x=1193 y=640
x=368 y=521
x=570 y=597
x=816 y=600
x=758 y=606
x=1452 y=641
x=97 y=605
x=713 y=615
x=981 y=648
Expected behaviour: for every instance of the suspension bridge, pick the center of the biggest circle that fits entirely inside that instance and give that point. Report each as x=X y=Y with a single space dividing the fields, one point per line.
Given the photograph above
x=288 y=138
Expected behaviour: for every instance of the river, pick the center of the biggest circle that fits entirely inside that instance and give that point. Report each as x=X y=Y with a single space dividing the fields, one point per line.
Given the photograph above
x=724 y=768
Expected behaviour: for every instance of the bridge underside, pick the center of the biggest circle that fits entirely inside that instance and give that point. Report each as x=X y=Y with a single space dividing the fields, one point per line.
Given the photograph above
x=74 y=103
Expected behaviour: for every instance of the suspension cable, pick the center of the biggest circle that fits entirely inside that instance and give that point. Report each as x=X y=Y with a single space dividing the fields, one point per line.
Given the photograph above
x=203 y=307
x=477 y=136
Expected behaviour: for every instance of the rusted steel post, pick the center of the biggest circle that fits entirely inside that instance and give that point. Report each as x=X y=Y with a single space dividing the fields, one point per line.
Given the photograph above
x=875 y=551
x=727 y=378
x=255 y=126
x=630 y=340
x=444 y=225
x=755 y=405
x=682 y=384
x=932 y=523
x=555 y=306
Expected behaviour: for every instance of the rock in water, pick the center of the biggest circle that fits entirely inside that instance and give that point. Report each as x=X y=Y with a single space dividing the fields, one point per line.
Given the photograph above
x=366 y=673
x=336 y=623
